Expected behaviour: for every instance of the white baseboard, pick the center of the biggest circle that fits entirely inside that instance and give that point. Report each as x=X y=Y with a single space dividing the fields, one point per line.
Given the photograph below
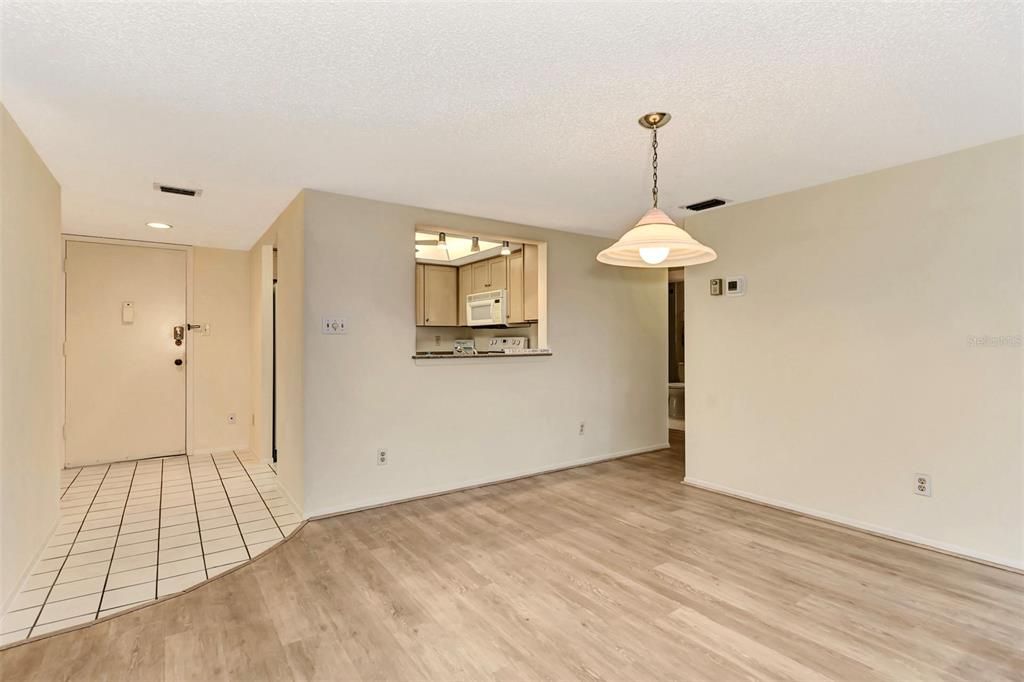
x=291 y=500
x=881 y=531
x=370 y=503
x=219 y=449
x=8 y=599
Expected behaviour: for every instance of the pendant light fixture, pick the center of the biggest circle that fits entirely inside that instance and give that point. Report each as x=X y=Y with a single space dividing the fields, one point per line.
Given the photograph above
x=655 y=241
x=442 y=241
x=475 y=248
x=506 y=249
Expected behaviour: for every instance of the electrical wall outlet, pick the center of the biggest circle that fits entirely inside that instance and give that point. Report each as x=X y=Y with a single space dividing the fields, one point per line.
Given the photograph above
x=583 y=426
x=923 y=485
x=382 y=457
x=232 y=418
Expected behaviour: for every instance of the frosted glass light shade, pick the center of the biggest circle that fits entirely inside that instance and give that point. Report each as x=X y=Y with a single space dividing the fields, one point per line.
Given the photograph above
x=655 y=230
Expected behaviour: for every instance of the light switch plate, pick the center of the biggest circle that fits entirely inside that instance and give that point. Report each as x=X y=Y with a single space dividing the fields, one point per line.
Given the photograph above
x=332 y=325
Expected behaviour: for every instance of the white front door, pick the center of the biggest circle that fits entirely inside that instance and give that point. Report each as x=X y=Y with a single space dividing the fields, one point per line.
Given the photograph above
x=125 y=375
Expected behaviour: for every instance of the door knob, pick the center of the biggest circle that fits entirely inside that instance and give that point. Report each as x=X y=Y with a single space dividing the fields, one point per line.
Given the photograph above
x=179 y=362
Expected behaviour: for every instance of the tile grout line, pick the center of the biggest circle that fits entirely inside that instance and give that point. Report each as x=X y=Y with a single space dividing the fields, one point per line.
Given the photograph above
x=89 y=577
x=87 y=594
x=77 y=474
x=117 y=536
x=66 y=556
x=199 y=527
x=159 y=520
x=258 y=492
x=232 y=508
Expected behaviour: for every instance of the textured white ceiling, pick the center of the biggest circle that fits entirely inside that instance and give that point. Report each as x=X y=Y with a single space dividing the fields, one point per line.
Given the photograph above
x=522 y=112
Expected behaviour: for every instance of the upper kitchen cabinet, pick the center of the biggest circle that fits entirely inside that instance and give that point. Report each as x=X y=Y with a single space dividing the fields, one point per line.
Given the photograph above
x=481 y=276
x=515 y=288
x=531 y=282
x=498 y=273
x=488 y=275
x=437 y=288
x=465 y=288
x=523 y=285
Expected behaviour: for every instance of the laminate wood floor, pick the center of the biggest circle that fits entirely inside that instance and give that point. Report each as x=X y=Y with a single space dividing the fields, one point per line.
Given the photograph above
x=612 y=571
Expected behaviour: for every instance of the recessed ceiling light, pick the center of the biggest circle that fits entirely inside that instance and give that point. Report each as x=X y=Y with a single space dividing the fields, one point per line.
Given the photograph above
x=159 y=226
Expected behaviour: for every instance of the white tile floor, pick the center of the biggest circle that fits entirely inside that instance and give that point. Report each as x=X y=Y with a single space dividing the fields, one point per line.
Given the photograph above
x=134 y=531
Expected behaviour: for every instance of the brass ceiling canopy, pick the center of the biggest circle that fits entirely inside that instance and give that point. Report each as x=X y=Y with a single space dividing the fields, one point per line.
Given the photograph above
x=655 y=120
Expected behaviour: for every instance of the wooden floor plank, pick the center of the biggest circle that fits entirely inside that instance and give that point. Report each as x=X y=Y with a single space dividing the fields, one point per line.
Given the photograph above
x=612 y=571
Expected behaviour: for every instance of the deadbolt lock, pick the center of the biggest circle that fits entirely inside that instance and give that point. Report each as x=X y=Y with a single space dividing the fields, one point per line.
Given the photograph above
x=179 y=335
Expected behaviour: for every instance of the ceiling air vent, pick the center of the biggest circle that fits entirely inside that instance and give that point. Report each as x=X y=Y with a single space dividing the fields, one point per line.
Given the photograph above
x=180 y=191
x=706 y=204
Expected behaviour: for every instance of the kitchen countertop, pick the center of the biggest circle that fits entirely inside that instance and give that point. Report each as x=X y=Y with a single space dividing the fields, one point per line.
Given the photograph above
x=449 y=355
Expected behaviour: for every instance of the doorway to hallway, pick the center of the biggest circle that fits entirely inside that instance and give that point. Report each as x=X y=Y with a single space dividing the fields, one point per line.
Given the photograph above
x=676 y=364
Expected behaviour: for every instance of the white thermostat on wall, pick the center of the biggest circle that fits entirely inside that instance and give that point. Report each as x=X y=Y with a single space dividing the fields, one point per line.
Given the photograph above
x=332 y=325
x=735 y=286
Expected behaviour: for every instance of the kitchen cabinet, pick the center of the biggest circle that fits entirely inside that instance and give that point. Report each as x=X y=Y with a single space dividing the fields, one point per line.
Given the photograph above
x=419 y=295
x=531 y=283
x=437 y=290
x=515 y=287
x=490 y=274
x=465 y=289
x=498 y=273
x=523 y=285
x=481 y=276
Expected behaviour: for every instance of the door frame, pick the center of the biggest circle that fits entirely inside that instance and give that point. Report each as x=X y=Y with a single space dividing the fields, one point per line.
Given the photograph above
x=190 y=349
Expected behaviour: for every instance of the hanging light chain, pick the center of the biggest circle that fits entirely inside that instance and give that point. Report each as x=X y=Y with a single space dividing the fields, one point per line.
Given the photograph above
x=654 y=165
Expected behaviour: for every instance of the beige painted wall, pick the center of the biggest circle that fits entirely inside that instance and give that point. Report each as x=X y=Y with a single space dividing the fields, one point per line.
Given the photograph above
x=287 y=234
x=31 y=386
x=221 y=362
x=849 y=365
x=449 y=423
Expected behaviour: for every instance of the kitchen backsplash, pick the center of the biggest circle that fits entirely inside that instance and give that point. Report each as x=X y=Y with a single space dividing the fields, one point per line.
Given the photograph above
x=443 y=338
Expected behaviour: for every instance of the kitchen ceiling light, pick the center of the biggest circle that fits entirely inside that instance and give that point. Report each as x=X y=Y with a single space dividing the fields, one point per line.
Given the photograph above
x=159 y=226
x=442 y=241
x=476 y=245
x=505 y=249
x=655 y=241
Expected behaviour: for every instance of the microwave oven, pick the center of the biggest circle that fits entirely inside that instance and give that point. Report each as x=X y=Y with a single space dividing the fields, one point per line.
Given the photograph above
x=487 y=309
